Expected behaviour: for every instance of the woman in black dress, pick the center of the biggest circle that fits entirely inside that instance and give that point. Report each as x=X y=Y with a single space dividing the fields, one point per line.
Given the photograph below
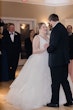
x=28 y=43
x=70 y=34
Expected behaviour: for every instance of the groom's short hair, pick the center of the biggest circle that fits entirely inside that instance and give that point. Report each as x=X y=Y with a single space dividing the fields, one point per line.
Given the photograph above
x=53 y=17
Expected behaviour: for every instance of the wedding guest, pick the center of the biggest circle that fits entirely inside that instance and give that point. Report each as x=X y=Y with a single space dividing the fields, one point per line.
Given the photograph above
x=28 y=43
x=1 y=22
x=11 y=44
x=70 y=34
x=1 y=36
x=0 y=58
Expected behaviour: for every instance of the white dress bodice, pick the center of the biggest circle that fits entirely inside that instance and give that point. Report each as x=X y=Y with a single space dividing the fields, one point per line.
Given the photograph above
x=42 y=42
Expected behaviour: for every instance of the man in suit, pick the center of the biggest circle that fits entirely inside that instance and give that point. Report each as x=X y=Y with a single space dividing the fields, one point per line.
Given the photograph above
x=58 y=61
x=11 y=44
x=1 y=30
x=0 y=53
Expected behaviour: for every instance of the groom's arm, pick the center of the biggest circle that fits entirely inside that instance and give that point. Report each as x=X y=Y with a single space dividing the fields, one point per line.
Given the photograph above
x=54 y=42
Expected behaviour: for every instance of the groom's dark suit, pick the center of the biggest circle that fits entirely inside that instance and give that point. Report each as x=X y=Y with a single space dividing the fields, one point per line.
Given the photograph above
x=58 y=62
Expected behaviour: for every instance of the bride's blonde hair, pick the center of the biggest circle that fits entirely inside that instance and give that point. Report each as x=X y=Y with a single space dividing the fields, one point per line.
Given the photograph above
x=39 y=26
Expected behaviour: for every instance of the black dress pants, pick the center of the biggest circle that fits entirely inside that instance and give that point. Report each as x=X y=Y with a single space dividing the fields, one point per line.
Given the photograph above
x=59 y=77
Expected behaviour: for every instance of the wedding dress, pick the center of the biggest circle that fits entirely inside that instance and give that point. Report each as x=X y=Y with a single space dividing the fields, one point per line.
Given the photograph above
x=32 y=88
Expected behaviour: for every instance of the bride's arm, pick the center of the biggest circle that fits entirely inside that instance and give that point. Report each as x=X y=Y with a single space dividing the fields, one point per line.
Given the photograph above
x=36 y=46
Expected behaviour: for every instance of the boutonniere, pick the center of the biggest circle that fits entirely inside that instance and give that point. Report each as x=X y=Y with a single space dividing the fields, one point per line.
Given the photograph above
x=15 y=33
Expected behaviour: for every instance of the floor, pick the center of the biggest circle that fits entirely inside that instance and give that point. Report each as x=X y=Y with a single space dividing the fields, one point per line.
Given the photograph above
x=4 y=87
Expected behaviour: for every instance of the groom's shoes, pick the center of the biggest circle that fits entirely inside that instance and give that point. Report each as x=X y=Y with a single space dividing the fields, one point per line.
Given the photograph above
x=52 y=105
x=68 y=104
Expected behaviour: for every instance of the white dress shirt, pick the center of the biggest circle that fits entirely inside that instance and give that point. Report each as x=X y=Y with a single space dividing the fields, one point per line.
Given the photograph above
x=12 y=36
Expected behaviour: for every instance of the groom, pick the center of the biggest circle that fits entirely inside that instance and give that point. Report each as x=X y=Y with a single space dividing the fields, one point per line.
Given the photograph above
x=58 y=61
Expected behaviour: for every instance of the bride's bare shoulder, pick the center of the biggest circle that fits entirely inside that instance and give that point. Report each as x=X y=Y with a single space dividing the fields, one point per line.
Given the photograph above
x=36 y=38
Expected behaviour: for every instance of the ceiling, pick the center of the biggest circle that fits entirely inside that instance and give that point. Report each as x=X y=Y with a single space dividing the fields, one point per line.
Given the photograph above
x=44 y=2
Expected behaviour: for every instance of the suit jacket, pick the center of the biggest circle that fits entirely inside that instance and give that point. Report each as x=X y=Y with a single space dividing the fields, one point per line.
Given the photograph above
x=59 y=47
x=12 y=49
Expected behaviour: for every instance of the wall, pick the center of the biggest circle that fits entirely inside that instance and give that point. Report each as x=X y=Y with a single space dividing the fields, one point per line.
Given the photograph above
x=65 y=12
x=38 y=12
x=20 y=10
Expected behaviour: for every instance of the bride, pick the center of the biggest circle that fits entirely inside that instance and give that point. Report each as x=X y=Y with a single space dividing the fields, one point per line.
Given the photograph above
x=32 y=88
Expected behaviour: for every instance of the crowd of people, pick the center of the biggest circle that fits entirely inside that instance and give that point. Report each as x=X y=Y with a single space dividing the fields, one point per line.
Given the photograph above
x=46 y=79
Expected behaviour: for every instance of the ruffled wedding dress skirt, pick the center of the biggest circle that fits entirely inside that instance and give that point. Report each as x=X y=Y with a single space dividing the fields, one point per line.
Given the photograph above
x=32 y=88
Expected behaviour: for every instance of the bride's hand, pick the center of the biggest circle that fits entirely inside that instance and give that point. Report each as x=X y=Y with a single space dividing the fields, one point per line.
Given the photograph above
x=46 y=46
